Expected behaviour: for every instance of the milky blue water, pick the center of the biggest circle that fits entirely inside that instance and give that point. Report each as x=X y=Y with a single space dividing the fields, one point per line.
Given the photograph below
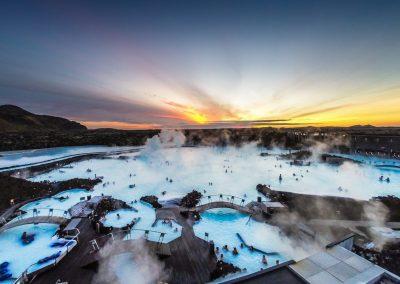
x=234 y=171
x=170 y=230
x=223 y=225
x=145 y=216
x=173 y=172
x=23 y=157
x=21 y=256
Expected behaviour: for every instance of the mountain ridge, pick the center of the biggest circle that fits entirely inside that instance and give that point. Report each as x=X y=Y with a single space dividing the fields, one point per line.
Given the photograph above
x=16 y=119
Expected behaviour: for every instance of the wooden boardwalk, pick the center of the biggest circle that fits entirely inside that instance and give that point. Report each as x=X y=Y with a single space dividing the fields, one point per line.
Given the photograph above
x=84 y=208
x=190 y=261
x=221 y=204
x=187 y=259
x=69 y=268
x=120 y=246
x=34 y=220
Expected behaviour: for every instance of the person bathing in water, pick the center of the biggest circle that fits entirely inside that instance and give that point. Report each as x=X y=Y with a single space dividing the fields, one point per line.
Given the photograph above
x=264 y=260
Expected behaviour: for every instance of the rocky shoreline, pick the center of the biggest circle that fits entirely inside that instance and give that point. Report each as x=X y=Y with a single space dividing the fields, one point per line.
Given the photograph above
x=16 y=190
x=332 y=207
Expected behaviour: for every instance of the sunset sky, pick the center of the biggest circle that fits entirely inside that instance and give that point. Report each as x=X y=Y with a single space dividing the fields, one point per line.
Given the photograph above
x=150 y=64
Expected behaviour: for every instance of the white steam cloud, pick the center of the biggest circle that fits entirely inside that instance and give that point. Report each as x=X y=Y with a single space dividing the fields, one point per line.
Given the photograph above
x=137 y=265
x=167 y=138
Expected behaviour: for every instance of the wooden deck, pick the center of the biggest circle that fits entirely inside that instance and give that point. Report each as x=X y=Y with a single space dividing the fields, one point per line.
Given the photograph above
x=187 y=259
x=84 y=208
x=69 y=268
x=120 y=246
x=191 y=261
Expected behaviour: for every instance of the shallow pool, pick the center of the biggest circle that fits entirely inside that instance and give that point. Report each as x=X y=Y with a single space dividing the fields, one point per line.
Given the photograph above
x=119 y=218
x=21 y=256
x=222 y=227
x=39 y=156
x=62 y=201
x=172 y=172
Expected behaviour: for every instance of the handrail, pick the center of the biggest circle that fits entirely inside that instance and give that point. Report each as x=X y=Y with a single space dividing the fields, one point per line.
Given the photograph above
x=44 y=208
x=23 y=278
x=127 y=232
x=222 y=197
x=36 y=213
x=76 y=234
x=151 y=231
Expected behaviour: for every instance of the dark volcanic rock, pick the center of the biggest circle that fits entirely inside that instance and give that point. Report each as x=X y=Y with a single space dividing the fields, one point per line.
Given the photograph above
x=151 y=199
x=318 y=207
x=13 y=118
x=298 y=155
x=388 y=257
x=332 y=207
x=21 y=129
x=19 y=190
x=191 y=199
x=194 y=215
x=263 y=189
x=393 y=204
x=109 y=204
x=223 y=269
x=87 y=184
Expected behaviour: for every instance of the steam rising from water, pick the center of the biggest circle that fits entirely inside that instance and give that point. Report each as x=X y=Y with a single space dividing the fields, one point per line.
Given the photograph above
x=167 y=138
x=231 y=170
x=136 y=265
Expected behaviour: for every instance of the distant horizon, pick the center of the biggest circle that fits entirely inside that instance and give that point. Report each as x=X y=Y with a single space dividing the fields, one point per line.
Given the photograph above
x=210 y=126
x=201 y=64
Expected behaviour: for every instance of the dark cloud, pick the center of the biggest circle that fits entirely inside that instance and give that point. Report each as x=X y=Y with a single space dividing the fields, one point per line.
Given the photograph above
x=321 y=110
x=80 y=104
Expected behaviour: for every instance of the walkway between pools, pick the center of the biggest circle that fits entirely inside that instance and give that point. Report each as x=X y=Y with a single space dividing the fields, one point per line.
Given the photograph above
x=53 y=216
x=32 y=217
x=187 y=257
x=85 y=207
x=69 y=269
x=240 y=204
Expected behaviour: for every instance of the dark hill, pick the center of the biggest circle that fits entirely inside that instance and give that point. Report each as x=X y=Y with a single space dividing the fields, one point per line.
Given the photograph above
x=16 y=119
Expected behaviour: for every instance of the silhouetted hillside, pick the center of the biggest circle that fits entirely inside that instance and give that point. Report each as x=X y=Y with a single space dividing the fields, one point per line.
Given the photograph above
x=16 y=119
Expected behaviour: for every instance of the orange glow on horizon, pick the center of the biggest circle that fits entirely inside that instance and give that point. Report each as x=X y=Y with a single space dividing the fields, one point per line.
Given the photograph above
x=119 y=125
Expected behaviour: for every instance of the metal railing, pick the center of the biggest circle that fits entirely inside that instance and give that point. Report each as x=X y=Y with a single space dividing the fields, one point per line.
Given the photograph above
x=41 y=212
x=223 y=197
x=126 y=235
x=72 y=241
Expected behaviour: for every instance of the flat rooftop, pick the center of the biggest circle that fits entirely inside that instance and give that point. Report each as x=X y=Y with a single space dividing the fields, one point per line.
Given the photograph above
x=280 y=274
x=335 y=265
x=338 y=265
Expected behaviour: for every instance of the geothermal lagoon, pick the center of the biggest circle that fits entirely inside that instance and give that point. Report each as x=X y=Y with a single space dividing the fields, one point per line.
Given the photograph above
x=171 y=172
